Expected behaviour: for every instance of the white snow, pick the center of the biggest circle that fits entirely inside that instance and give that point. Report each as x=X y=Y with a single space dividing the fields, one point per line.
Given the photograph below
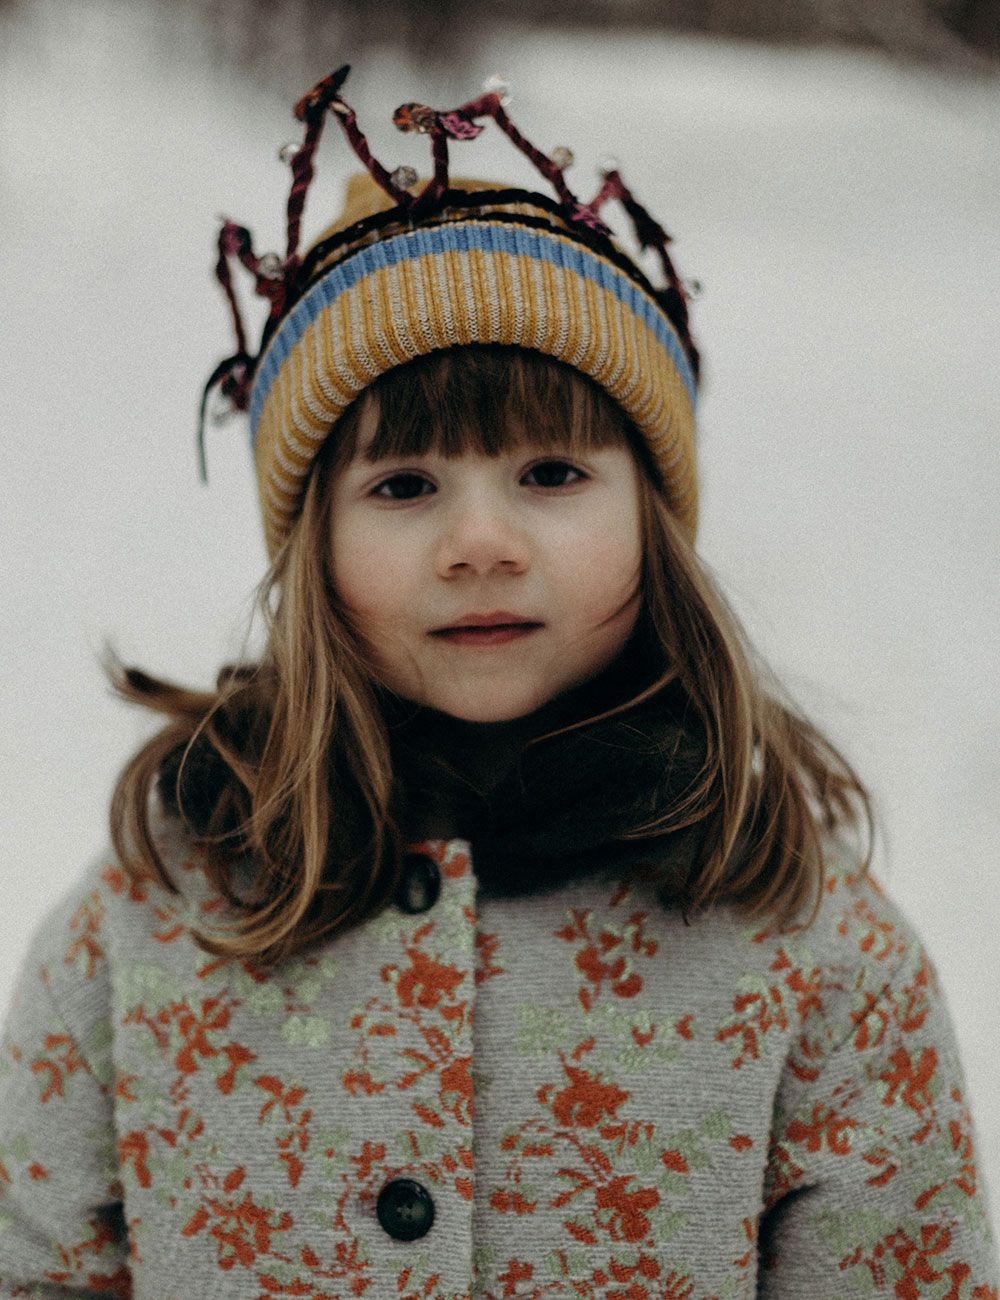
x=842 y=213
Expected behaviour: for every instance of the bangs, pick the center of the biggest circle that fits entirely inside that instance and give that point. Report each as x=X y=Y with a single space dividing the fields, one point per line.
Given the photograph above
x=485 y=399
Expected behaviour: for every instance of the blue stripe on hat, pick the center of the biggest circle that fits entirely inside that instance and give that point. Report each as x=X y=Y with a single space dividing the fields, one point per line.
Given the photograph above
x=518 y=241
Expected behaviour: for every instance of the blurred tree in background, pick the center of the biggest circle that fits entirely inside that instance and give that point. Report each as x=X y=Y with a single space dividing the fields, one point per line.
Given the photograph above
x=286 y=41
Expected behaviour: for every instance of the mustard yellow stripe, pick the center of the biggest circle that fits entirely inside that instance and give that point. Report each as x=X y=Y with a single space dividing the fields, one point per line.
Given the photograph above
x=283 y=495
x=477 y=300
x=622 y=323
x=363 y=318
x=530 y=276
x=504 y=297
x=484 y=280
x=407 y=341
x=315 y=402
x=408 y=309
x=296 y=367
x=336 y=378
x=576 y=341
x=599 y=329
x=276 y=513
x=326 y=354
x=282 y=501
x=548 y=337
x=391 y=323
x=285 y=473
x=452 y=302
x=423 y=292
x=343 y=334
x=302 y=425
x=271 y=423
x=468 y=264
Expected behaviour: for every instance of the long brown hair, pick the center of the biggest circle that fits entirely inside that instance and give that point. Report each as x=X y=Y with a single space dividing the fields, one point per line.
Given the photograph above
x=288 y=760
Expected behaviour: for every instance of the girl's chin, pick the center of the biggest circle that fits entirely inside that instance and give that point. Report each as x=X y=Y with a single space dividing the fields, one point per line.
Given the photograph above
x=499 y=712
x=489 y=716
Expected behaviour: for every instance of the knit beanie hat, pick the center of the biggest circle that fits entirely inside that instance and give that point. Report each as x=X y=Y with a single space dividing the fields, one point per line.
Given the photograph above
x=411 y=267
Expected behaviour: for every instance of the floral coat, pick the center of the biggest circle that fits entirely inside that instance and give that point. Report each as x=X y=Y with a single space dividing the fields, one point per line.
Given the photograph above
x=574 y=1094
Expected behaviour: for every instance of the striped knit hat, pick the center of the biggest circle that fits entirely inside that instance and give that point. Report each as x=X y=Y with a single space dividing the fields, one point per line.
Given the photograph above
x=410 y=268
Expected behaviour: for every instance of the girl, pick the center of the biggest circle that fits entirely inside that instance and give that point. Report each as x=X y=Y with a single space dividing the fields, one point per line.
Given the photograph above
x=501 y=932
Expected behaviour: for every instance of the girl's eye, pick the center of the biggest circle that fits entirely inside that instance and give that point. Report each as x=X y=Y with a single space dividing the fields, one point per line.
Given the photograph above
x=402 y=487
x=554 y=473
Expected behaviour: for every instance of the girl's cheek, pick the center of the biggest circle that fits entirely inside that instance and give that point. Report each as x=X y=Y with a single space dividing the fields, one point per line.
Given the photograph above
x=357 y=565
x=610 y=573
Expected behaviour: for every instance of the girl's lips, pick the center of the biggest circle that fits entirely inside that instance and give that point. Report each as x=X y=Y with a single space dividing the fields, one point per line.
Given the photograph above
x=497 y=634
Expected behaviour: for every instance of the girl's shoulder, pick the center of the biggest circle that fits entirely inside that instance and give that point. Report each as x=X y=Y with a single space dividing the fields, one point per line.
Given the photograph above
x=850 y=903
x=851 y=977
x=854 y=939
x=849 y=924
x=838 y=976
x=109 y=920
x=856 y=924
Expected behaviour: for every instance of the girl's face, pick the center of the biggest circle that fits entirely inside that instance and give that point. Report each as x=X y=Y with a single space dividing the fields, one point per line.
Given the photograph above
x=485 y=586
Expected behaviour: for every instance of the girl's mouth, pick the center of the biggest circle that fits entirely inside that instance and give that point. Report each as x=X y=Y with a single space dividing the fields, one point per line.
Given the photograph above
x=501 y=634
x=487 y=630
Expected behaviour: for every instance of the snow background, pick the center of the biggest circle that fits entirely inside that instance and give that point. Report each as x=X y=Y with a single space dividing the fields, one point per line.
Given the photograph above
x=842 y=212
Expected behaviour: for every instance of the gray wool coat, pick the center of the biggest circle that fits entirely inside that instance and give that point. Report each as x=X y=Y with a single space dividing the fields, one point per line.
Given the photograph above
x=573 y=1094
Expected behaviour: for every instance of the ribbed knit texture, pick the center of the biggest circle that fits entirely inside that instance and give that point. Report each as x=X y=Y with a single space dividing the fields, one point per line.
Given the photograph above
x=600 y=1099
x=469 y=281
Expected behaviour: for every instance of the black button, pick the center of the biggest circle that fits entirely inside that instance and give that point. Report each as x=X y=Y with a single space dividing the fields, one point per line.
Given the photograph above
x=420 y=884
x=405 y=1209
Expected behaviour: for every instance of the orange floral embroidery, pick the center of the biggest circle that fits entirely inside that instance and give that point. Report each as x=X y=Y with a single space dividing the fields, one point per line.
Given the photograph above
x=754 y=1015
x=425 y=982
x=197 y=1030
x=828 y=1128
x=606 y=956
x=486 y=948
x=241 y=1232
x=911 y=1080
x=64 y=1060
x=86 y=925
x=912 y=1265
x=621 y=1212
x=585 y=1102
x=293 y=1143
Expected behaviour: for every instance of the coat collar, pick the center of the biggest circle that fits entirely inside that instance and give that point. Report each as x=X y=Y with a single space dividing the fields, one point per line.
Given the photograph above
x=568 y=799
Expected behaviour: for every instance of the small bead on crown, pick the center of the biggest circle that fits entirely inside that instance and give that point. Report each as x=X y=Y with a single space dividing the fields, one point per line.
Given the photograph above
x=283 y=279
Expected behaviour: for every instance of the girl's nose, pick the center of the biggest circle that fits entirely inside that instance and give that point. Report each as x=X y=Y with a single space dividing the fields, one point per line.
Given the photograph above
x=480 y=537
